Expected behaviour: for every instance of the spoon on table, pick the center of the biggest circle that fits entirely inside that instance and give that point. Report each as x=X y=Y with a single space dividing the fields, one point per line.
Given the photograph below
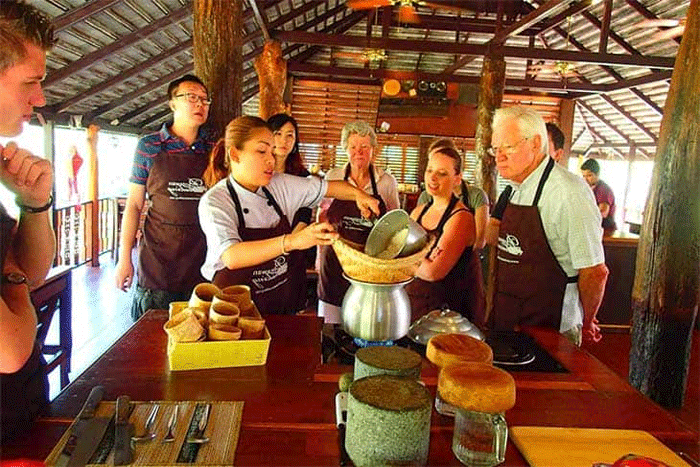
x=148 y=433
x=172 y=422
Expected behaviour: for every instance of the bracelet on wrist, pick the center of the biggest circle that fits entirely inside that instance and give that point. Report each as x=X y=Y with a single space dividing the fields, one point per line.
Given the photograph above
x=31 y=209
x=284 y=250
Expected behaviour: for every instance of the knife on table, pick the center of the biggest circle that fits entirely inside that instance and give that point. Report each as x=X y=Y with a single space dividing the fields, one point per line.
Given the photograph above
x=86 y=433
x=123 y=431
x=341 y=418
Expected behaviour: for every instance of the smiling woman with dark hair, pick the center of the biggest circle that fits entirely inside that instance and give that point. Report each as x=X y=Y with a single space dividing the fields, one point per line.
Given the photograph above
x=288 y=160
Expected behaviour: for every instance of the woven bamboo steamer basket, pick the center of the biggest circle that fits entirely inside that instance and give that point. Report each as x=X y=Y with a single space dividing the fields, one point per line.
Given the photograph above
x=361 y=267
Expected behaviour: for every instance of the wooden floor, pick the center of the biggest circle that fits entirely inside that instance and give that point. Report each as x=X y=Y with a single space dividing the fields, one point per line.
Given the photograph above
x=101 y=316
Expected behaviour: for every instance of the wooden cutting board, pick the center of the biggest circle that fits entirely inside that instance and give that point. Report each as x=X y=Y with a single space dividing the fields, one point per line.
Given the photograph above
x=582 y=447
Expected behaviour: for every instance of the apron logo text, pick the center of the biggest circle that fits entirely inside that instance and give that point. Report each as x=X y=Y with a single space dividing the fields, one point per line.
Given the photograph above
x=263 y=276
x=510 y=245
x=191 y=189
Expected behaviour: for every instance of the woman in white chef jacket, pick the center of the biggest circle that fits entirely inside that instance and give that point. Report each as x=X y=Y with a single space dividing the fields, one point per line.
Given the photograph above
x=245 y=217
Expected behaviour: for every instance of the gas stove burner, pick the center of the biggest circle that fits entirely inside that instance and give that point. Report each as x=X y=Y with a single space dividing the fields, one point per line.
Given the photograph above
x=365 y=343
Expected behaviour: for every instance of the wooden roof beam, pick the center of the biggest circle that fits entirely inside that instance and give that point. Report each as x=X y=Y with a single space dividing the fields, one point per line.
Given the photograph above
x=141 y=91
x=123 y=76
x=603 y=120
x=473 y=49
x=629 y=117
x=371 y=74
x=338 y=27
x=644 y=11
x=130 y=39
x=154 y=61
x=574 y=9
x=76 y=15
x=623 y=83
x=534 y=17
x=605 y=27
x=461 y=24
x=262 y=22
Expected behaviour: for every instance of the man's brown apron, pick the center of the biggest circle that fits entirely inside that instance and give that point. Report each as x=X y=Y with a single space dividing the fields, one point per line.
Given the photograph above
x=346 y=217
x=530 y=282
x=277 y=285
x=24 y=394
x=456 y=289
x=173 y=247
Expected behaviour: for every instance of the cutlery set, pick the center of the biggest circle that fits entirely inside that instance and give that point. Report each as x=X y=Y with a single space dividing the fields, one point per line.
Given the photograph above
x=90 y=432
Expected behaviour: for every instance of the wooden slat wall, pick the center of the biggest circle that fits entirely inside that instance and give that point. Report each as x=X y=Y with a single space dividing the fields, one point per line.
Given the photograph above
x=322 y=109
x=547 y=106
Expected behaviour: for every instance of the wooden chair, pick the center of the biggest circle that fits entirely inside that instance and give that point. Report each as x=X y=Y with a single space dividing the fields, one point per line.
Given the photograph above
x=53 y=295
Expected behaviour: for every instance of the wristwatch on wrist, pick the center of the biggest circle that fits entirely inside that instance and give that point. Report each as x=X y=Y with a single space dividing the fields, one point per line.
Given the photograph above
x=15 y=278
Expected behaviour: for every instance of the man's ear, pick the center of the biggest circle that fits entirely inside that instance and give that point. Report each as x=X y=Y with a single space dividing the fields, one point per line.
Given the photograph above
x=537 y=142
x=171 y=105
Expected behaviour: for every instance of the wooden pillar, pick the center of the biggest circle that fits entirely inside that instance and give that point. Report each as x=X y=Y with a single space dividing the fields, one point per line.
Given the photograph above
x=566 y=125
x=94 y=194
x=667 y=282
x=272 y=76
x=218 y=58
x=493 y=80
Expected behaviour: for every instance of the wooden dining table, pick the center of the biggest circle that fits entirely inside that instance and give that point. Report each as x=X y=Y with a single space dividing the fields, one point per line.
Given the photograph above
x=289 y=403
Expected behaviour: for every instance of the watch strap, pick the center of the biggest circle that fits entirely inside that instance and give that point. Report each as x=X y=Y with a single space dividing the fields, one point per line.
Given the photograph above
x=33 y=210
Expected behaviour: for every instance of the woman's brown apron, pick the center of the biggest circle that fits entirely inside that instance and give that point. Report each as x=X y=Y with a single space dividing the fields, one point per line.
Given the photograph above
x=25 y=393
x=277 y=285
x=530 y=282
x=346 y=217
x=173 y=247
x=454 y=290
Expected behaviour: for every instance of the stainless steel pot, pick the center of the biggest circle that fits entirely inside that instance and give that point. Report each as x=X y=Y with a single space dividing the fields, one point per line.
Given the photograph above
x=376 y=312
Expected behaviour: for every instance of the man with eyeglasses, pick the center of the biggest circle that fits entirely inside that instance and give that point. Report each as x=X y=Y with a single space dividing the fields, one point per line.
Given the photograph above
x=550 y=263
x=168 y=167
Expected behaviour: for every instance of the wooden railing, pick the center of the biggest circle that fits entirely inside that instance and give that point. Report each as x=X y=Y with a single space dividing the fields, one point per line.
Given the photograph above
x=74 y=239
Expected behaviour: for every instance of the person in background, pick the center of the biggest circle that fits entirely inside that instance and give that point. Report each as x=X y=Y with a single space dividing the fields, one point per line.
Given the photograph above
x=168 y=167
x=27 y=247
x=473 y=197
x=245 y=217
x=73 y=165
x=556 y=142
x=604 y=196
x=360 y=143
x=288 y=160
x=449 y=274
x=550 y=263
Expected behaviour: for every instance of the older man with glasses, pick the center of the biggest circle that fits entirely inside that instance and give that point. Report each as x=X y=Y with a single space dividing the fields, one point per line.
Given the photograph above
x=168 y=165
x=550 y=262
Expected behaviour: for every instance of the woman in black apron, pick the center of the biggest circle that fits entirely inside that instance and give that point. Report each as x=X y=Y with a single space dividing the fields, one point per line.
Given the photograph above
x=288 y=160
x=448 y=273
x=245 y=218
x=359 y=141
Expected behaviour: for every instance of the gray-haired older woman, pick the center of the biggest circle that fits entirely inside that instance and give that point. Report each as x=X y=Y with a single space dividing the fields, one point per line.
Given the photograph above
x=359 y=142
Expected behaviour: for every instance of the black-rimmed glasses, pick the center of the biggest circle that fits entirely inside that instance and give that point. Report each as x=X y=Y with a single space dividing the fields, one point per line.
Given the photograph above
x=194 y=98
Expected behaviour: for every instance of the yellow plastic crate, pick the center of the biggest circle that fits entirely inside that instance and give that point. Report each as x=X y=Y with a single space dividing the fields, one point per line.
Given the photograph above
x=218 y=354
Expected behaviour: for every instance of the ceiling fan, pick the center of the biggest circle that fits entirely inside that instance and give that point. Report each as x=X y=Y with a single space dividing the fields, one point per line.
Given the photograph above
x=367 y=55
x=407 y=8
x=676 y=27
